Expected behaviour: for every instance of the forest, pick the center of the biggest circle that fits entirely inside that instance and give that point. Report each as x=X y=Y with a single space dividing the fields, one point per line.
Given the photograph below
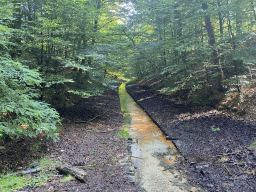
x=51 y=50
x=55 y=52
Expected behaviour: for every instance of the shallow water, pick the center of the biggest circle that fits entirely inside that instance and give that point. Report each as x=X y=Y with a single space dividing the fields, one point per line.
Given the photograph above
x=152 y=154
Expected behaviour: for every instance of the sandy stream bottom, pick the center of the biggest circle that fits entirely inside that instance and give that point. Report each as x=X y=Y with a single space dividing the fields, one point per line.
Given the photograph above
x=152 y=154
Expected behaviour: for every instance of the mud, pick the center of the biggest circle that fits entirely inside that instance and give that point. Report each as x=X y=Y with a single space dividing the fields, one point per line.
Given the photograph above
x=214 y=144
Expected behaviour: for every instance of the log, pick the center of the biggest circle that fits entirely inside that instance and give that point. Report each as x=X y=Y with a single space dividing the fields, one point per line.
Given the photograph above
x=78 y=173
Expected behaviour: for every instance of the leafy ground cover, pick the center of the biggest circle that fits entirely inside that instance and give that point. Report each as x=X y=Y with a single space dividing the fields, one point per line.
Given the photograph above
x=216 y=144
x=92 y=139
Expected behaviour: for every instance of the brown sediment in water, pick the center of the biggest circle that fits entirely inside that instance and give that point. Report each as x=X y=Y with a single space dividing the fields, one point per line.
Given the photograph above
x=152 y=154
x=214 y=143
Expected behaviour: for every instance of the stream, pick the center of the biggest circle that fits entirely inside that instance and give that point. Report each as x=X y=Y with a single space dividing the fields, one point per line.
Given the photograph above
x=153 y=156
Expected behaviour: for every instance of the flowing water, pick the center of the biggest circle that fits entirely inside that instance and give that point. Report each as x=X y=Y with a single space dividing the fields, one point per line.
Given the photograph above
x=152 y=154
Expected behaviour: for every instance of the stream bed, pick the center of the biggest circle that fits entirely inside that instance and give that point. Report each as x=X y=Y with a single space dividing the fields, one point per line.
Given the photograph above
x=152 y=155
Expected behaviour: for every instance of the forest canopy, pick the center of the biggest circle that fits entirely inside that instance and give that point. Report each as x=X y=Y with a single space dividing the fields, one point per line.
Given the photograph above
x=196 y=45
x=53 y=50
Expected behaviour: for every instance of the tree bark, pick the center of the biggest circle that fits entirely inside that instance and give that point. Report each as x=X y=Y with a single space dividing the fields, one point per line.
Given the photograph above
x=210 y=31
x=95 y=29
x=211 y=35
x=220 y=19
x=253 y=10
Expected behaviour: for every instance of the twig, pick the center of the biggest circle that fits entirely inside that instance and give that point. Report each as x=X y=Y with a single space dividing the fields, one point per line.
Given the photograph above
x=87 y=121
x=137 y=157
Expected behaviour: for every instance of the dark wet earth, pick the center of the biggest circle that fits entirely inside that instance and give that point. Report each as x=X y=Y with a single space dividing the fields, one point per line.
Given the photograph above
x=89 y=140
x=215 y=146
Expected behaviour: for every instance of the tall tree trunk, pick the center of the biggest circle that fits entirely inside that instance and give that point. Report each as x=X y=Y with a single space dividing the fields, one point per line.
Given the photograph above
x=211 y=35
x=233 y=41
x=253 y=10
x=42 y=50
x=220 y=19
x=15 y=50
x=95 y=29
x=208 y=26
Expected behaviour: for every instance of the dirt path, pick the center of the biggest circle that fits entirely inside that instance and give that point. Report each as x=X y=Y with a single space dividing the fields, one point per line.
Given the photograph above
x=93 y=146
x=214 y=145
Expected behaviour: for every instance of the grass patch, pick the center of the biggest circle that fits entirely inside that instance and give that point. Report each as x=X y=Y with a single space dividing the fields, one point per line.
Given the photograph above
x=15 y=182
x=215 y=129
x=94 y=152
x=122 y=95
x=69 y=177
x=241 y=162
x=253 y=145
x=127 y=118
x=123 y=134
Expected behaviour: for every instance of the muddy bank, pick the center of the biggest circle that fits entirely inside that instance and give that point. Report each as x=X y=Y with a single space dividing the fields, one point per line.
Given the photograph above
x=214 y=144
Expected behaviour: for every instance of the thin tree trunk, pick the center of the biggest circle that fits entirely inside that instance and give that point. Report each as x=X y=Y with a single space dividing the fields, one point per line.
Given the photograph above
x=42 y=50
x=253 y=10
x=210 y=31
x=220 y=19
x=95 y=29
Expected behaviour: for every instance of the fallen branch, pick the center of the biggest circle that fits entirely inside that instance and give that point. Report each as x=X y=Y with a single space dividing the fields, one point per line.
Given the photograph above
x=78 y=173
x=137 y=157
x=87 y=121
x=23 y=172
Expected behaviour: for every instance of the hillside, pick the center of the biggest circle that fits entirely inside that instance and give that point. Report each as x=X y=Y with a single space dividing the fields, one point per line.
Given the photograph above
x=215 y=143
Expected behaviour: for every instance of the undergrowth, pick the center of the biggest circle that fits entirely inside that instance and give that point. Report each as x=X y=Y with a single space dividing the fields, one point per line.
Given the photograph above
x=13 y=182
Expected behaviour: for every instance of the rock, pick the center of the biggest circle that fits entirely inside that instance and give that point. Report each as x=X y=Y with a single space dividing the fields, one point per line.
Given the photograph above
x=193 y=189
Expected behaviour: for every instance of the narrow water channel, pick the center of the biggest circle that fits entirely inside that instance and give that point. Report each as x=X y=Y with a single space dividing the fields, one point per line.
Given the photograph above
x=152 y=154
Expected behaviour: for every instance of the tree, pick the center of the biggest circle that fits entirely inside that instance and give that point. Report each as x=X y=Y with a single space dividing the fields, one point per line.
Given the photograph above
x=204 y=43
x=44 y=62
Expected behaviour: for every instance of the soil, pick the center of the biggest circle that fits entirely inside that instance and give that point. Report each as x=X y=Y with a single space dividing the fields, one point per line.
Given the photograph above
x=88 y=140
x=214 y=143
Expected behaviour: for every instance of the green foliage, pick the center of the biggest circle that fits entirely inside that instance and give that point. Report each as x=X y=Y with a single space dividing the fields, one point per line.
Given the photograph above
x=192 y=44
x=51 y=50
x=127 y=118
x=11 y=183
x=67 y=178
x=253 y=144
x=215 y=129
x=123 y=134
x=21 y=113
x=15 y=182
